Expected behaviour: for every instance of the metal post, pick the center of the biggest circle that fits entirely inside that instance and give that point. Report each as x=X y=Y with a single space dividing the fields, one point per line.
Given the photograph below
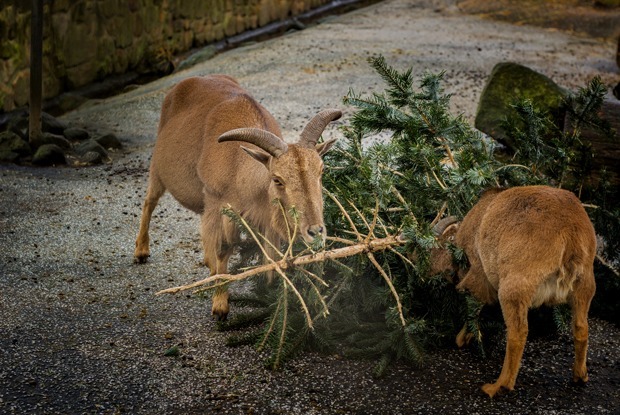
x=36 y=69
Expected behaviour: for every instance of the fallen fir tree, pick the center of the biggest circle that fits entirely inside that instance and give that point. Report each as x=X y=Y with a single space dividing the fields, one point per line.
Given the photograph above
x=404 y=163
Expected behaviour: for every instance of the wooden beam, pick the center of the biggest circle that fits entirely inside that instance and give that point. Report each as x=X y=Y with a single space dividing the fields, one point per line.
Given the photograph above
x=36 y=70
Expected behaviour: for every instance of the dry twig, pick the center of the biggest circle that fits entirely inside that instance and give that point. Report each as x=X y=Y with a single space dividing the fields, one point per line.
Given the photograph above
x=374 y=245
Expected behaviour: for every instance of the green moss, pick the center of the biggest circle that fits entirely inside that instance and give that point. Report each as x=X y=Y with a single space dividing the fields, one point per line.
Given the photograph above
x=508 y=83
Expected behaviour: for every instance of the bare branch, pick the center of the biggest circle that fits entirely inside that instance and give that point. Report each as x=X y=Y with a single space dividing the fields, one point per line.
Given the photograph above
x=344 y=212
x=388 y=281
x=347 y=251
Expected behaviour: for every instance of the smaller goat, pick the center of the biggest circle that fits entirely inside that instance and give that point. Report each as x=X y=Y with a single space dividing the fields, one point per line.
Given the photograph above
x=526 y=246
x=199 y=158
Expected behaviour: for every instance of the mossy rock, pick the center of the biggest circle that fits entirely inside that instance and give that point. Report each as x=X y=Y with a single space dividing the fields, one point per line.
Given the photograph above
x=509 y=83
x=48 y=155
x=7 y=156
x=11 y=144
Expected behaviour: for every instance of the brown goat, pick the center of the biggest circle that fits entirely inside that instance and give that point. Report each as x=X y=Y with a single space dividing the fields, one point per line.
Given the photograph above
x=199 y=159
x=526 y=246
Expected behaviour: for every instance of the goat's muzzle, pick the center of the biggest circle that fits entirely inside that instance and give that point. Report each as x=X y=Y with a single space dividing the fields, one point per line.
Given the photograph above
x=312 y=232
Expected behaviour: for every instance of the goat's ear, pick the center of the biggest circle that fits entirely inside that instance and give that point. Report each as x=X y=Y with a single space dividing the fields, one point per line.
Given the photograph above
x=324 y=147
x=258 y=155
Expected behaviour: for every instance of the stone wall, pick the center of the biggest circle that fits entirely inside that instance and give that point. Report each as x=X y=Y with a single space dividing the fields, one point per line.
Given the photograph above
x=87 y=40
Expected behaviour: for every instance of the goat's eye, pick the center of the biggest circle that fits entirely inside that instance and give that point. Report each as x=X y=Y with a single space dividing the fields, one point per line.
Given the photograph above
x=278 y=182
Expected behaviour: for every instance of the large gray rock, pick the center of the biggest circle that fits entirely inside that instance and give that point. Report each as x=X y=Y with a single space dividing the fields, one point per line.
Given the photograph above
x=507 y=84
x=49 y=154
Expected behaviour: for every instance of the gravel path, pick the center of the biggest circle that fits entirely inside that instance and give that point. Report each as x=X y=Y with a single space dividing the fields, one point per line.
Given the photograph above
x=82 y=331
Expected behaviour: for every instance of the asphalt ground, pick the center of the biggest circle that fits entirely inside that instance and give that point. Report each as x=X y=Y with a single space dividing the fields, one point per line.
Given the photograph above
x=82 y=331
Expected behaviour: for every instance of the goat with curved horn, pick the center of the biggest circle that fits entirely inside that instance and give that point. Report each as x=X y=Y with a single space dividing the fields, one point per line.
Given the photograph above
x=443 y=224
x=266 y=140
x=313 y=130
x=199 y=157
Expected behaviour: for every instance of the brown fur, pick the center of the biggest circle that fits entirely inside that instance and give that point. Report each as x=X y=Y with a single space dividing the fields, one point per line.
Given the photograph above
x=526 y=246
x=206 y=176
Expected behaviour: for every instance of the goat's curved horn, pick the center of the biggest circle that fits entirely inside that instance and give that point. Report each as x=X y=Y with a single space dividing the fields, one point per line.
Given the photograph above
x=269 y=142
x=443 y=224
x=313 y=130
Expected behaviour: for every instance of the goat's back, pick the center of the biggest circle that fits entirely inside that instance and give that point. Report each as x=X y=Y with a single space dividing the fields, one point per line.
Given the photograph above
x=530 y=236
x=187 y=158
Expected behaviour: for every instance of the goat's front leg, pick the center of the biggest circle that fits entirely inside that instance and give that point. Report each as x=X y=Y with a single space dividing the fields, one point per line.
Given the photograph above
x=464 y=337
x=514 y=308
x=154 y=192
x=218 y=235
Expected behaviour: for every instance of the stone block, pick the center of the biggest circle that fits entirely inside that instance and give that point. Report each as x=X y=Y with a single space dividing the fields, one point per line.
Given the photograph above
x=90 y=39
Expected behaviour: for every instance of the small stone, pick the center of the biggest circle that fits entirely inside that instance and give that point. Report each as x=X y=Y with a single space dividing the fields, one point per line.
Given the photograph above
x=76 y=134
x=109 y=141
x=52 y=124
x=174 y=351
x=10 y=142
x=8 y=156
x=91 y=158
x=19 y=125
x=59 y=140
x=91 y=146
x=49 y=154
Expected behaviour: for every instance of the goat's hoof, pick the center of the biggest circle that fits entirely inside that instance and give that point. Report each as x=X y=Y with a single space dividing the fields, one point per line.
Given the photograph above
x=220 y=317
x=464 y=338
x=580 y=380
x=492 y=389
x=140 y=259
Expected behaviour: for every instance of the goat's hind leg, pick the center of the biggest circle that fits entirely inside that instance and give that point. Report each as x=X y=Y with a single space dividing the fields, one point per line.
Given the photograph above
x=580 y=304
x=154 y=192
x=514 y=305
